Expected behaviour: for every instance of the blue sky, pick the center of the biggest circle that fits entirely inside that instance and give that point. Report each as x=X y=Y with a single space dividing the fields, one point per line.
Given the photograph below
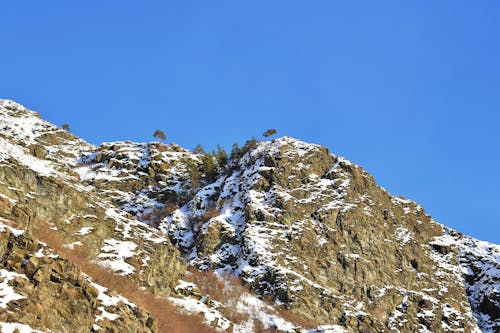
x=410 y=90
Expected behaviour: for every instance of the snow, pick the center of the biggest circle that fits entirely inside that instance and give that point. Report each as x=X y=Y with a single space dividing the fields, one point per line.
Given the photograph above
x=403 y=235
x=12 y=201
x=249 y=306
x=193 y=306
x=39 y=253
x=21 y=128
x=85 y=231
x=259 y=311
x=4 y=227
x=107 y=301
x=21 y=124
x=21 y=328
x=22 y=155
x=71 y=246
x=480 y=260
x=7 y=293
x=328 y=329
x=114 y=254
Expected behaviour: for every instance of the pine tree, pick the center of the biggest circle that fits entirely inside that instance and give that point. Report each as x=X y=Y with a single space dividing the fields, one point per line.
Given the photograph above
x=221 y=157
x=269 y=132
x=249 y=145
x=159 y=134
x=194 y=175
x=235 y=152
x=209 y=168
x=199 y=149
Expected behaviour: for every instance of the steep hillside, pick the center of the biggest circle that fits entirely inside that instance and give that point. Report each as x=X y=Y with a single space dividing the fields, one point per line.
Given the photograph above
x=305 y=230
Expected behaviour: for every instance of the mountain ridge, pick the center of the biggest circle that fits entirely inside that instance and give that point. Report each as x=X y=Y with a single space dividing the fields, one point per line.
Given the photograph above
x=294 y=222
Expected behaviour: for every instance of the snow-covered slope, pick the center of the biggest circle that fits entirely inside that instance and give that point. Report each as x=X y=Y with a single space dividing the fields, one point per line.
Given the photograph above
x=480 y=264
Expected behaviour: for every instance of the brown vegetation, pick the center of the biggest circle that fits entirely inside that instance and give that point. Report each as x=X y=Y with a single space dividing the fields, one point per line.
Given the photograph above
x=226 y=292
x=169 y=319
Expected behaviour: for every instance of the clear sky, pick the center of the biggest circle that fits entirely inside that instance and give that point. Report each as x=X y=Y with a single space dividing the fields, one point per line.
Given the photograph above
x=410 y=90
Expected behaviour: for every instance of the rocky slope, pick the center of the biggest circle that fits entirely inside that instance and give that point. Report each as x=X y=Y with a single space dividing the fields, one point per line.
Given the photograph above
x=305 y=229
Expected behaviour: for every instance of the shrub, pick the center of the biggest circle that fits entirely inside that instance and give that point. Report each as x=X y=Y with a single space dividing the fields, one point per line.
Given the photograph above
x=65 y=127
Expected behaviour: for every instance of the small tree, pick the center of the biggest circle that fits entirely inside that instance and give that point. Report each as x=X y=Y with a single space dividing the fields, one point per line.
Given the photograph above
x=199 y=149
x=65 y=127
x=269 y=132
x=249 y=145
x=235 y=152
x=194 y=175
x=159 y=134
x=209 y=168
x=221 y=156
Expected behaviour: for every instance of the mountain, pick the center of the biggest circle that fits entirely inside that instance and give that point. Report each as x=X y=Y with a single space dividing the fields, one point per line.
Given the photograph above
x=284 y=236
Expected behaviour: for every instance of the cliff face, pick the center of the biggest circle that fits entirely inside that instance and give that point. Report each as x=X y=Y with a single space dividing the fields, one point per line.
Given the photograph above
x=295 y=223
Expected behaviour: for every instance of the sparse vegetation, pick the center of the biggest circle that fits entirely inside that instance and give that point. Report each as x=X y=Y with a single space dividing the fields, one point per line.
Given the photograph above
x=227 y=291
x=169 y=318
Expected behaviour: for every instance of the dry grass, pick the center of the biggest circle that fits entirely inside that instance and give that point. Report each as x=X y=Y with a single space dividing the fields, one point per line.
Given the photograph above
x=297 y=319
x=227 y=293
x=169 y=319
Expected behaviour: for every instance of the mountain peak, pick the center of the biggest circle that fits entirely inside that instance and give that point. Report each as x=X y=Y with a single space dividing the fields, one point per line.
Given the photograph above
x=292 y=222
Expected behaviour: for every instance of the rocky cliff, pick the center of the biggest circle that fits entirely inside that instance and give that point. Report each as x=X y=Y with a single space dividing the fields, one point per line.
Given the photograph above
x=122 y=238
